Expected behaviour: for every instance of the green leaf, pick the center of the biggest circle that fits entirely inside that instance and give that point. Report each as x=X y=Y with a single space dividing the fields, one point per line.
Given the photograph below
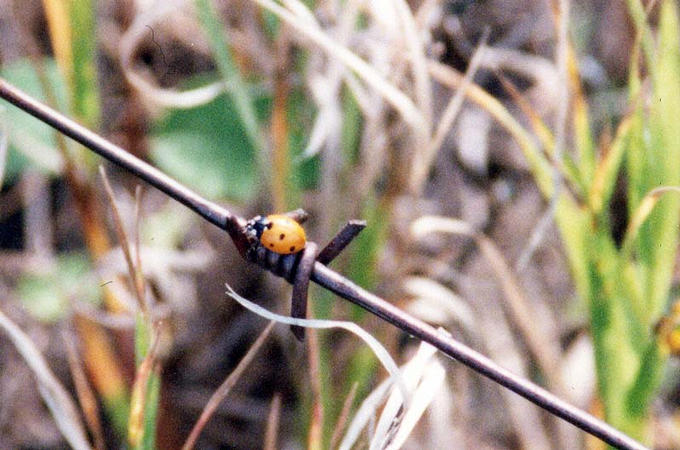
x=352 y=124
x=32 y=143
x=238 y=90
x=367 y=247
x=166 y=228
x=306 y=172
x=206 y=149
x=47 y=295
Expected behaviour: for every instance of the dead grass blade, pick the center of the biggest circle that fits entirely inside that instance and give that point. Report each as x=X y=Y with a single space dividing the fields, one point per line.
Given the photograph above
x=376 y=347
x=400 y=101
x=541 y=343
x=86 y=396
x=394 y=409
x=422 y=161
x=38 y=219
x=563 y=102
x=60 y=29
x=135 y=274
x=452 y=78
x=58 y=400
x=344 y=415
x=428 y=387
x=315 y=433
x=418 y=60
x=225 y=388
x=138 y=248
x=273 y=419
x=437 y=304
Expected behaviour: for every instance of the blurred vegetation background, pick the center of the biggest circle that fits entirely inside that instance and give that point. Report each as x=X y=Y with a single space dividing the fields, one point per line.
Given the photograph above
x=517 y=162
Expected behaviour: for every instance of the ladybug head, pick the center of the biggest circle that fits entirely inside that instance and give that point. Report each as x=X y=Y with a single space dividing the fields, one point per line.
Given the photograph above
x=257 y=225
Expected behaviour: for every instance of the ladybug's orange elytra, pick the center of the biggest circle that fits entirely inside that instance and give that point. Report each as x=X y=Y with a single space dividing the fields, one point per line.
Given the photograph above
x=281 y=234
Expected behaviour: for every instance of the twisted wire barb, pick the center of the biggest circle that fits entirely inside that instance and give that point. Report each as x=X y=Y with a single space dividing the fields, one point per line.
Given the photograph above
x=321 y=274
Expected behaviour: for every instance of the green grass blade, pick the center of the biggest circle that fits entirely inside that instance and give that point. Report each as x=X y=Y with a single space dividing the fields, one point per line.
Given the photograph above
x=637 y=12
x=575 y=226
x=583 y=137
x=237 y=88
x=647 y=381
x=636 y=146
x=151 y=412
x=614 y=329
x=146 y=388
x=85 y=91
x=665 y=219
x=142 y=338
x=607 y=171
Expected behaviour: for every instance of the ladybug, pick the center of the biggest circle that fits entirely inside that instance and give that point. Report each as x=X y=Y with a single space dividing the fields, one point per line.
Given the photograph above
x=278 y=233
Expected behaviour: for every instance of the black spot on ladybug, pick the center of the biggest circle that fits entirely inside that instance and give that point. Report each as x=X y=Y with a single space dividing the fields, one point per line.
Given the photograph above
x=271 y=245
x=281 y=236
x=292 y=248
x=270 y=225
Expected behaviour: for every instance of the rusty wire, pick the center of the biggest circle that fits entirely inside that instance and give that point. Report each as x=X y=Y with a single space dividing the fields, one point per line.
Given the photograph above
x=321 y=274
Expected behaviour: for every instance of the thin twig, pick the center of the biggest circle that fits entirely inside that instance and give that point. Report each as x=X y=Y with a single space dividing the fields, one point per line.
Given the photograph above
x=324 y=276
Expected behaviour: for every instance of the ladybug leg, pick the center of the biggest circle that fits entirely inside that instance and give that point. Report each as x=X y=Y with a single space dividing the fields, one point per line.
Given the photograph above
x=298 y=305
x=340 y=241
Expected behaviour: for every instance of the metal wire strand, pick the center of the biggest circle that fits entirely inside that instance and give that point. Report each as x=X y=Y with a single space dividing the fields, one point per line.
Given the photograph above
x=321 y=274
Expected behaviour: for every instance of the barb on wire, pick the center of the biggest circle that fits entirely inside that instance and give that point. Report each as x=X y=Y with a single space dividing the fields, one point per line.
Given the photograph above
x=321 y=274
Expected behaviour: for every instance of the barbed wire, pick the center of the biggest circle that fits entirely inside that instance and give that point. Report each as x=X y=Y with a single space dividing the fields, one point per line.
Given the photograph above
x=322 y=275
